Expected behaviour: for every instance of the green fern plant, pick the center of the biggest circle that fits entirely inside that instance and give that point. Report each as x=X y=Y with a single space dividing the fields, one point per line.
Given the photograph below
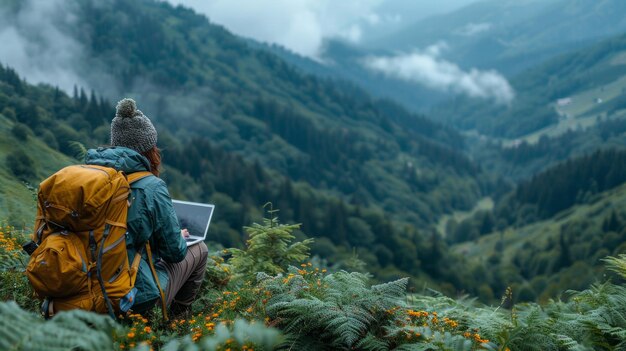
x=601 y=316
x=73 y=330
x=339 y=309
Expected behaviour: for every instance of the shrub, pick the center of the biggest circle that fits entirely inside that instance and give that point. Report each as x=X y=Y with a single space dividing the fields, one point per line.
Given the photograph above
x=9 y=113
x=64 y=135
x=48 y=137
x=21 y=165
x=20 y=132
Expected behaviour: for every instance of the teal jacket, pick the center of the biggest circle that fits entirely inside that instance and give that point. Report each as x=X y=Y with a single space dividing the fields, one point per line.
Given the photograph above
x=151 y=217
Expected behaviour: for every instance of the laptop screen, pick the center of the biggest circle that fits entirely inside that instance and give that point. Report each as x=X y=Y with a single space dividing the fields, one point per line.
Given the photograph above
x=195 y=217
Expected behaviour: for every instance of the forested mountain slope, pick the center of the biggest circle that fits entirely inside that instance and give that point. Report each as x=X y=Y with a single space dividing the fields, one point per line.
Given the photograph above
x=549 y=234
x=544 y=259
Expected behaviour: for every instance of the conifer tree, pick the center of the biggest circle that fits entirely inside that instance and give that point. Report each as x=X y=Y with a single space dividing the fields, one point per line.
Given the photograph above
x=268 y=247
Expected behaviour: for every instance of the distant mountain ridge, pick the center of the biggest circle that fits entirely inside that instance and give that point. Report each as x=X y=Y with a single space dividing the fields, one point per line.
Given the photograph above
x=506 y=36
x=512 y=35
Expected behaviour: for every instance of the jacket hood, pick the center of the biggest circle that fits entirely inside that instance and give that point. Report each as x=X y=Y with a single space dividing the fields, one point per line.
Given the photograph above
x=121 y=158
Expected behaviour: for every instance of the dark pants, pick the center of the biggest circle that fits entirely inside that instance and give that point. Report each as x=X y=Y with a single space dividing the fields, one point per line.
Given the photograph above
x=185 y=277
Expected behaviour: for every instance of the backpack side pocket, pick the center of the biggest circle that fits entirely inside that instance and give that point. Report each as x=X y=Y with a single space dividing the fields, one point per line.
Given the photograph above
x=58 y=267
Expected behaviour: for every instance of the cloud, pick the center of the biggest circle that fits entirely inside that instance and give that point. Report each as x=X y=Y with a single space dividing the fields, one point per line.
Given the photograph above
x=472 y=29
x=352 y=34
x=374 y=19
x=428 y=68
x=34 y=44
x=299 y=25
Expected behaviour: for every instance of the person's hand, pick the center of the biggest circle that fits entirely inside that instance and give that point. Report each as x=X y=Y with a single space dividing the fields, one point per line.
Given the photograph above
x=184 y=233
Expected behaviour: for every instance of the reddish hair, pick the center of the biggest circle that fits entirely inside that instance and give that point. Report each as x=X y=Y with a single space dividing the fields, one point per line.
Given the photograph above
x=154 y=156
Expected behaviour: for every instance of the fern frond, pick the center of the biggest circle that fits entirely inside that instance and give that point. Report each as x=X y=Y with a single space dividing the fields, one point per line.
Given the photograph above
x=349 y=323
x=305 y=342
x=395 y=288
x=616 y=264
x=434 y=340
x=417 y=347
x=567 y=343
x=372 y=343
x=78 y=149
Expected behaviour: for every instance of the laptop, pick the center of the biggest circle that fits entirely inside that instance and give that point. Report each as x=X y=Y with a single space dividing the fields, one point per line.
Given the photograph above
x=195 y=217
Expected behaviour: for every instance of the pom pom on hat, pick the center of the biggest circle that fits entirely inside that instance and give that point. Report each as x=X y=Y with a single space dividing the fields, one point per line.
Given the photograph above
x=126 y=108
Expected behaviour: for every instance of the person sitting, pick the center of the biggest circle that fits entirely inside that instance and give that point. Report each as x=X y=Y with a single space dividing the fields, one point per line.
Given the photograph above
x=151 y=216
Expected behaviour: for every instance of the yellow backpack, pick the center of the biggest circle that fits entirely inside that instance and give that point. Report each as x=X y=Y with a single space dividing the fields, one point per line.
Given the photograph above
x=80 y=260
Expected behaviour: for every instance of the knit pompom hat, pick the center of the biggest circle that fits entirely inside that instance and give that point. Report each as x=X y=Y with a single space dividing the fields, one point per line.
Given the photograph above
x=131 y=128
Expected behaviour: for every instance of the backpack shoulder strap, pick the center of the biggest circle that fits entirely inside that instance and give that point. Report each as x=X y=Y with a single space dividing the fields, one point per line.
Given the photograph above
x=156 y=280
x=134 y=177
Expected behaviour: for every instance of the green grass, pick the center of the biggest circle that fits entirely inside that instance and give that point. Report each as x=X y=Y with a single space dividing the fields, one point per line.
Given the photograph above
x=584 y=102
x=484 y=204
x=619 y=59
x=581 y=113
x=584 y=110
x=17 y=201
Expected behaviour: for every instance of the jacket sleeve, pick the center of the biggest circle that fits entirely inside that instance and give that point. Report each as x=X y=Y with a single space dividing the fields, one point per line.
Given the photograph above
x=166 y=239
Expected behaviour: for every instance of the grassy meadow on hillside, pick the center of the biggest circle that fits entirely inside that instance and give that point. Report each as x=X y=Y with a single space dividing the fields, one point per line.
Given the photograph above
x=16 y=192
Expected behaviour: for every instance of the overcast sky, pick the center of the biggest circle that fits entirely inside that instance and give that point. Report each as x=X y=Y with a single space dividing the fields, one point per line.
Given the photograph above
x=302 y=25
